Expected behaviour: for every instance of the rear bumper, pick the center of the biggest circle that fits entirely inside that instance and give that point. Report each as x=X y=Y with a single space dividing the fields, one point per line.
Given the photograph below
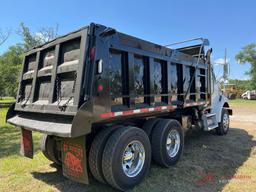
x=44 y=125
x=65 y=126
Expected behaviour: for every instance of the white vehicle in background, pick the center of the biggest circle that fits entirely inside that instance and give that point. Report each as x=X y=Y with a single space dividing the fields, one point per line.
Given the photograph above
x=249 y=95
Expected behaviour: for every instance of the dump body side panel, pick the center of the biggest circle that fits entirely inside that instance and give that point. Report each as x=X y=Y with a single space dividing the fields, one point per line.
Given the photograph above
x=141 y=78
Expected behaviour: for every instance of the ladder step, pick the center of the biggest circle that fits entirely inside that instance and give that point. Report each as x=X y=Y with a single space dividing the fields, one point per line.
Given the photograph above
x=211 y=127
x=210 y=121
x=210 y=115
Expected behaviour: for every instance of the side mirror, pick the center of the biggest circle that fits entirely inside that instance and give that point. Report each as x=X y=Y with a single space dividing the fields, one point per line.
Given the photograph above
x=99 y=66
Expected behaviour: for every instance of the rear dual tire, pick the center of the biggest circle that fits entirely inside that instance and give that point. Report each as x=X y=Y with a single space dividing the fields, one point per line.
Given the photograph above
x=96 y=152
x=125 y=159
x=115 y=153
x=121 y=157
x=167 y=142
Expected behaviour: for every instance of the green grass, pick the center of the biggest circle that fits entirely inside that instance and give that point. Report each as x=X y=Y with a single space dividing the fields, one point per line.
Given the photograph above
x=3 y=112
x=243 y=102
x=7 y=100
x=14 y=169
x=205 y=154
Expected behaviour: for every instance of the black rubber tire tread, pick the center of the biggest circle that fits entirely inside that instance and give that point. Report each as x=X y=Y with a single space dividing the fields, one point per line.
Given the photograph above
x=158 y=142
x=149 y=125
x=120 y=137
x=48 y=147
x=96 y=152
x=220 y=129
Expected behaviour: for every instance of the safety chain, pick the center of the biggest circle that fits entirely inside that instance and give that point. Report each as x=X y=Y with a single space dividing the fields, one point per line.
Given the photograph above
x=26 y=99
x=59 y=97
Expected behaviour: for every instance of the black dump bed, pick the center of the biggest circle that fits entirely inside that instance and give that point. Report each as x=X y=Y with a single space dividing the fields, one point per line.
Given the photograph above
x=63 y=93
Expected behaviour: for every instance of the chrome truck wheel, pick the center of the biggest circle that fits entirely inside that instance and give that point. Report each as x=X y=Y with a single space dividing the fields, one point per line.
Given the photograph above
x=126 y=158
x=224 y=124
x=167 y=142
x=133 y=158
x=173 y=143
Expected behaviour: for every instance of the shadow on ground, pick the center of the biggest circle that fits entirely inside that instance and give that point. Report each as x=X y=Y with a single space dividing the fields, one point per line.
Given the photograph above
x=207 y=158
x=10 y=141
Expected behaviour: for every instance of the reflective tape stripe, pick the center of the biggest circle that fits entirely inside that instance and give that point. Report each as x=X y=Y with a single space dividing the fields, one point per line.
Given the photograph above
x=151 y=109
x=118 y=113
x=195 y=103
x=158 y=108
x=107 y=115
x=130 y=112
x=146 y=110
x=171 y=107
x=137 y=111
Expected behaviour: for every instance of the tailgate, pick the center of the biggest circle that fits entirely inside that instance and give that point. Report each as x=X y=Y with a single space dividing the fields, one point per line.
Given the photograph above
x=52 y=75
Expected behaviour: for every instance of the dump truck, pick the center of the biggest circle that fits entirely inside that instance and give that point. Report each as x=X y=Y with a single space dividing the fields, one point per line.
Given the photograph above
x=108 y=103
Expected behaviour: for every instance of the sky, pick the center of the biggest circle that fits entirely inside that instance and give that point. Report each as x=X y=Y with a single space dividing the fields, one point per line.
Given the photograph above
x=226 y=23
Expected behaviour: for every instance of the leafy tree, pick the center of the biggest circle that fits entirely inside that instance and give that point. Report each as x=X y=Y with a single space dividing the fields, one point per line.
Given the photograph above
x=248 y=55
x=43 y=35
x=11 y=60
x=10 y=64
x=4 y=35
x=29 y=40
x=2 y=82
x=242 y=85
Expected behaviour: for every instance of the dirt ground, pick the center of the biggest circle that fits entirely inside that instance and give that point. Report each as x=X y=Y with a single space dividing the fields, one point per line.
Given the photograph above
x=244 y=113
x=209 y=163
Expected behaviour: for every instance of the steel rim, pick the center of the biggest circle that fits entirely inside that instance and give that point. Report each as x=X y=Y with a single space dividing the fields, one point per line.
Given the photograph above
x=173 y=143
x=225 y=122
x=133 y=158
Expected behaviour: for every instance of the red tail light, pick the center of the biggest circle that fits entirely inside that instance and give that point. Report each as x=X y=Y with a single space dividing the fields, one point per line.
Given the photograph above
x=100 y=88
x=92 y=53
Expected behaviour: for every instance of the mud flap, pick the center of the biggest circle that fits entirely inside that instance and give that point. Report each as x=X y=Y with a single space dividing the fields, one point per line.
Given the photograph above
x=26 y=144
x=74 y=159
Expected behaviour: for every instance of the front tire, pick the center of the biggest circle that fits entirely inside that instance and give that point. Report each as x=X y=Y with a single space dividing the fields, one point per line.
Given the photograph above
x=223 y=127
x=126 y=158
x=167 y=142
